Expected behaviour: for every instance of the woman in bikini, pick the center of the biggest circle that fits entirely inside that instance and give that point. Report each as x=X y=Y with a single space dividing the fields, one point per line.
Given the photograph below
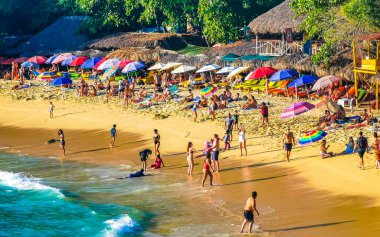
x=62 y=142
x=206 y=170
x=190 y=158
x=156 y=142
x=251 y=103
x=127 y=96
x=242 y=141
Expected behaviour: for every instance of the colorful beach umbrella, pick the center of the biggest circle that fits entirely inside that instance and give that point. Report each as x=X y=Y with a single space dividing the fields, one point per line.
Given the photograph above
x=303 y=80
x=76 y=62
x=225 y=70
x=262 y=72
x=325 y=82
x=283 y=74
x=60 y=58
x=156 y=66
x=237 y=71
x=109 y=63
x=51 y=59
x=124 y=63
x=28 y=64
x=208 y=68
x=313 y=136
x=110 y=72
x=90 y=63
x=170 y=65
x=297 y=109
x=20 y=60
x=7 y=61
x=37 y=59
x=68 y=60
x=47 y=76
x=61 y=81
x=133 y=66
x=183 y=69
x=208 y=91
x=100 y=62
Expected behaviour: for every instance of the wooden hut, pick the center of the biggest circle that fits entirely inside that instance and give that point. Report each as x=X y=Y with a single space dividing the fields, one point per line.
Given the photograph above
x=279 y=22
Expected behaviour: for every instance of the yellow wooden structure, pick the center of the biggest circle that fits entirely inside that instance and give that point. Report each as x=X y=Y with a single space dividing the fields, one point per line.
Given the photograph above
x=367 y=67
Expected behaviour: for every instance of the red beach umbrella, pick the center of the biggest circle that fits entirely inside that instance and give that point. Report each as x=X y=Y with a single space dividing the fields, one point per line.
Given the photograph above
x=37 y=59
x=124 y=63
x=78 y=61
x=262 y=72
x=20 y=60
x=7 y=61
x=100 y=62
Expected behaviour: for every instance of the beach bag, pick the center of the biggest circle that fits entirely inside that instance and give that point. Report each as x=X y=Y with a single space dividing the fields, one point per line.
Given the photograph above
x=362 y=143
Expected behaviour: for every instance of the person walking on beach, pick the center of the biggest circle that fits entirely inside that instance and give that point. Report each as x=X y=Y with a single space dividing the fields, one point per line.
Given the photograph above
x=242 y=140
x=206 y=170
x=226 y=140
x=62 y=142
x=194 y=109
x=127 y=96
x=144 y=154
x=376 y=145
x=156 y=142
x=229 y=125
x=288 y=141
x=215 y=153
x=264 y=114
x=361 y=148
x=51 y=109
x=190 y=158
x=249 y=209
x=236 y=120
x=113 y=135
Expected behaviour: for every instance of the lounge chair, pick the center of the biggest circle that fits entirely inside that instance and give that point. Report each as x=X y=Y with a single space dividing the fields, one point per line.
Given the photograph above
x=148 y=79
x=261 y=83
x=246 y=83
x=271 y=85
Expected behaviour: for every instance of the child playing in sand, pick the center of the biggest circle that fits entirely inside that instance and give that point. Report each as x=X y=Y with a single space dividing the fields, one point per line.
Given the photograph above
x=113 y=135
x=157 y=163
x=206 y=170
x=226 y=140
x=51 y=109
x=324 y=147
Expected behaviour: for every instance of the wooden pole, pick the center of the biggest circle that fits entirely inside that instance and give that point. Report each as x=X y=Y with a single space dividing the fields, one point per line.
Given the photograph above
x=257 y=38
x=356 y=89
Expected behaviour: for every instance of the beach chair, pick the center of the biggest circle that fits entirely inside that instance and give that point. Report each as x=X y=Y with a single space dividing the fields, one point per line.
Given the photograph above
x=254 y=87
x=246 y=83
x=149 y=78
x=271 y=85
x=35 y=73
x=184 y=84
x=280 y=87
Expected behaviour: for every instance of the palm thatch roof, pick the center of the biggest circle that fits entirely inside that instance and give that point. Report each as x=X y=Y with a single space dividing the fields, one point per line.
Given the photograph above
x=276 y=20
x=61 y=36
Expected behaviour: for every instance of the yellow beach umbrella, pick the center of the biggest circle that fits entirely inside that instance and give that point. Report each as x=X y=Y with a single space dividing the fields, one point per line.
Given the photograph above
x=237 y=71
x=170 y=65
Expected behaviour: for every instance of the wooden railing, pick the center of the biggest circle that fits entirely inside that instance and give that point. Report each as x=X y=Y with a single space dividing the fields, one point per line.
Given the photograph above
x=277 y=47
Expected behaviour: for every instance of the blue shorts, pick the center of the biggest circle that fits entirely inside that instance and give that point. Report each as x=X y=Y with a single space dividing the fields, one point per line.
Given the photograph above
x=215 y=155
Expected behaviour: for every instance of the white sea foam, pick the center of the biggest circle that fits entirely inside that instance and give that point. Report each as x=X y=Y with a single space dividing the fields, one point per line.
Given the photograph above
x=4 y=147
x=21 y=181
x=119 y=227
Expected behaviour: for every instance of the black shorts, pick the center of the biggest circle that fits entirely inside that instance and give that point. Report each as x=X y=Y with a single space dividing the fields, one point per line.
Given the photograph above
x=288 y=146
x=236 y=121
x=143 y=158
x=265 y=115
x=361 y=154
x=215 y=155
x=248 y=215
x=208 y=155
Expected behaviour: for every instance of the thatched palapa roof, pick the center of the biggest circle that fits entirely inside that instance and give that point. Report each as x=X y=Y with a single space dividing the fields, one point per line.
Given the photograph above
x=276 y=20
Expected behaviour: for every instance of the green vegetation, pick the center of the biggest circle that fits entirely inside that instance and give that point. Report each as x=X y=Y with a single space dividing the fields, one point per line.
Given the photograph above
x=192 y=50
x=337 y=22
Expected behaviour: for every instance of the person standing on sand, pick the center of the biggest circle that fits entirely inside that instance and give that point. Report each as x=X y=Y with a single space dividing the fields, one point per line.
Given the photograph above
x=249 y=209
x=62 y=142
x=236 y=120
x=144 y=154
x=229 y=125
x=264 y=114
x=156 y=142
x=288 y=141
x=51 y=109
x=361 y=148
x=206 y=170
x=127 y=96
x=376 y=145
x=215 y=153
x=194 y=109
x=242 y=141
x=113 y=135
x=190 y=158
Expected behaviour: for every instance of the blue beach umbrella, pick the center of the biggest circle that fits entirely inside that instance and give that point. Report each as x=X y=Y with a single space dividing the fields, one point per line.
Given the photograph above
x=62 y=81
x=304 y=80
x=50 y=59
x=132 y=67
x=283 y=74
x=90 y=63
x=28 y=64
x=68 y=60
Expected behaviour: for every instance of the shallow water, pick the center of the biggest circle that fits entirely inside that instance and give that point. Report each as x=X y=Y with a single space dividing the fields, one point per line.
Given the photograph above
x=46 y=197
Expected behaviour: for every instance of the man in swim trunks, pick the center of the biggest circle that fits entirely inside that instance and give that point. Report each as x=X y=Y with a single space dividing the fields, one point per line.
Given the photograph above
x=215 y=153
x=361 y=148
x=113 y=135
x=144 y=157
x=229 y=125
x=249 y=209
x=288 y=141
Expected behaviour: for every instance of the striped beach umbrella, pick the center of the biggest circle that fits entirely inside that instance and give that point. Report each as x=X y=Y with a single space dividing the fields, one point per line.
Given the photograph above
x=312 y=136
x=47 y=76
x=283 y=74
x=297 y=109
x=208 y=91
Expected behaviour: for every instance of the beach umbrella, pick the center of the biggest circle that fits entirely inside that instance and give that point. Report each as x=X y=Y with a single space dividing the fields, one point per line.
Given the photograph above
x=327 y=105
x=109 y=63
x=325 y=82
x=237 y=71
x=78 y=61
x=133 y=66
x=28 y=64
x=283 y=74
x=60 y=58
x=51 y=59
x=61 y=81
x=124 y=63
x=90 y=63
x=7 y=61
x=156 y=66
x=226 y=70
x=208 y=91
x=68 y=60
x=312 y=136
x=230 y=57
x=183 y=69
x=99 y=63
x=47 y=76
x=37 y=59
x=20 y=60
x=110 y=72
x=170 y=65
x=297 y=109
x=262 y=72
x=208 y=68
x=303 y=80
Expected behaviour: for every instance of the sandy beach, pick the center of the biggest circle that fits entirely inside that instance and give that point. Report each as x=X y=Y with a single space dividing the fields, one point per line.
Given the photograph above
x=306 y=197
